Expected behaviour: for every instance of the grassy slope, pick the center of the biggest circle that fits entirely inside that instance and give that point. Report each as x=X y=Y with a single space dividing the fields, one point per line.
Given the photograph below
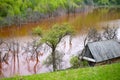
x=106 y=72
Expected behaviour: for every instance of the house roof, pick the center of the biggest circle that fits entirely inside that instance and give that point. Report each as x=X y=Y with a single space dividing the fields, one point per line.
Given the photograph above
x=104 y=50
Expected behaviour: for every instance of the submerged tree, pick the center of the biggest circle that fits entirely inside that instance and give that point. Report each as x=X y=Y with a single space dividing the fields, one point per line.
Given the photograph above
x=110 y=33
x=0 y=59
x=34 y=52
x=3 y=55
x=75 y=62
x=92 y=36
x=53 y=37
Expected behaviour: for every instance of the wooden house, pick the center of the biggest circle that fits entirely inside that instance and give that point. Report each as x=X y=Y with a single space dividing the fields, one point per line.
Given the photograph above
x=102 y=52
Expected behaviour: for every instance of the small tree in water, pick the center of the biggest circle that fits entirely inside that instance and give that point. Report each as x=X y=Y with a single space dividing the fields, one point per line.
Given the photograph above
x=53 y=37
x=75 y=62
x=92 y=36
x=110 y=33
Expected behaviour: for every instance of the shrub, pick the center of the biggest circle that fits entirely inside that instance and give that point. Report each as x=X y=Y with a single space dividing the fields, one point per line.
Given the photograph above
x=75 y=62
x=37 y=31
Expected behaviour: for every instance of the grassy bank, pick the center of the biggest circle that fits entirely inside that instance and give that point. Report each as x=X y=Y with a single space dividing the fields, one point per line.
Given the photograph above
x=106 y=72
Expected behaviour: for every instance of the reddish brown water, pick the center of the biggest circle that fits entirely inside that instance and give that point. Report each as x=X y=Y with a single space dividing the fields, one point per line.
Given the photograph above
x=81 y=23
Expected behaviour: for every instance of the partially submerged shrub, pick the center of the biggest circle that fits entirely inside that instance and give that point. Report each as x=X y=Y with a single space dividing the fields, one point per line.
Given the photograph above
x=37 y=31
x=84 y=63
x=75 y=62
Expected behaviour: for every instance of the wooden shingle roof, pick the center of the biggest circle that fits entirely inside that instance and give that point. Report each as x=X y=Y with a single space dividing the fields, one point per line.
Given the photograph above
x=104 y=50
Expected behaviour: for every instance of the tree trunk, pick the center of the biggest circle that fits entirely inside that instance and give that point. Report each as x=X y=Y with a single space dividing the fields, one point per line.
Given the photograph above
x=1 y=28
x=37 y=60
x=35 y=66
x=54 y=61
x=14 y=68
x=18 y=63
x=28 y=65
x=18 y=57
x=0 y=64
x=74 y=11
x=68 y=12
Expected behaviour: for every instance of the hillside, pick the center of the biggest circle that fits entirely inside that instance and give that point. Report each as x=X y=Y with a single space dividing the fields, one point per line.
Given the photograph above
x=106 y=72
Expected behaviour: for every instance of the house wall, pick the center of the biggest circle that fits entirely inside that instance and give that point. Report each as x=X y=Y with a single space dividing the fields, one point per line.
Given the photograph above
x=88 y=53
x=114 y=60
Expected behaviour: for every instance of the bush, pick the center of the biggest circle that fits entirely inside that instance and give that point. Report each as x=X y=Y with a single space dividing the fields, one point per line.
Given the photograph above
x=84 y=63
x=37 y=31
x=75 y=62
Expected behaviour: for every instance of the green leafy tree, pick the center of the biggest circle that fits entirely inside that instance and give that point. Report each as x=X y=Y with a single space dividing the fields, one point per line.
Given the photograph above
x=70 y=5
x=37 y=31
x=53 y=37
x=102 y=2
x=117 y=2
x=89 y=2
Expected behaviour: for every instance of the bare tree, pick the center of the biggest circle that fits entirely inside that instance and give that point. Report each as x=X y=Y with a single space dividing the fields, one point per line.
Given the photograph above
x=3 y=58
x=0 y=64
x=1 y=41
x=92 y=36
x=13 y=47
x=34 y=49
x=5 y=50
x=110 y=33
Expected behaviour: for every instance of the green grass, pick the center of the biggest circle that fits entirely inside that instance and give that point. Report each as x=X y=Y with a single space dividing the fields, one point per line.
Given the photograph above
x=106 y=72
